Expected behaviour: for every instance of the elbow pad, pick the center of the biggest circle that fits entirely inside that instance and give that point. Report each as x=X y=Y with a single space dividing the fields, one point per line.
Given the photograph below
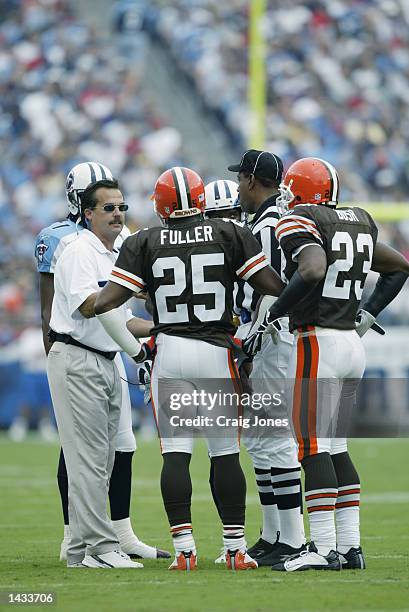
x=114 y=324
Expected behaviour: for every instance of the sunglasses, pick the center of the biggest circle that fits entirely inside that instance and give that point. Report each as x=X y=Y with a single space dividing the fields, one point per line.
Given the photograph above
x=111 y=207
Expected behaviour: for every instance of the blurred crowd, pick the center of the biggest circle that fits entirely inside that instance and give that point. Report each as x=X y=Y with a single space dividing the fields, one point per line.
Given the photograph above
x=67 y=94
x=338 y=87
x=338 y=80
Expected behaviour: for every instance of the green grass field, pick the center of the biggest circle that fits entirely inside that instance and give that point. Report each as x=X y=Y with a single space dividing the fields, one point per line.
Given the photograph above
x=31 y=530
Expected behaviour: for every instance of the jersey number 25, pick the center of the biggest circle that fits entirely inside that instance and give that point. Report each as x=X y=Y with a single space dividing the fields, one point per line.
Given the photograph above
x=198 y=286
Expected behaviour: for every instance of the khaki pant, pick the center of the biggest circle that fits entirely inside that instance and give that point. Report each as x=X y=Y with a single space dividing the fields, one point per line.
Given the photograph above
x=86 y=392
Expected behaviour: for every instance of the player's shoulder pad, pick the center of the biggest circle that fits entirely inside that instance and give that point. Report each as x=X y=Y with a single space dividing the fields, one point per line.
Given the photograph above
x=232 y=227
x=136 y=232
x=301 y=220
x=304 y=210
x=238 y=223
x=48 y=240
x=361 y=213
x=59 y=229
x=137 y=236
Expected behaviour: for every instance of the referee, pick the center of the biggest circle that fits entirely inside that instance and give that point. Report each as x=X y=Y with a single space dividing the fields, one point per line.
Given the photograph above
x=276 y=467
x=84 y=381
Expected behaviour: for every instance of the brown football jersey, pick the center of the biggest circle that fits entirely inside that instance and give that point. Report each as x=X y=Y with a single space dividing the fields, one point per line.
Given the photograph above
x=348 y=237
x=189 y=269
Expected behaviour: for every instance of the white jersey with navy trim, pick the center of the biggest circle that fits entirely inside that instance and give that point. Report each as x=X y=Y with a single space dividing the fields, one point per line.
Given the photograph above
x=50 y=244
x=52 y=240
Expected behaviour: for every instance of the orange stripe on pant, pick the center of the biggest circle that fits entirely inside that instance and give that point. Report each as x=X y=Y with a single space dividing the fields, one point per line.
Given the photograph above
x=234 y=374
x=305 y=404
x=297 y=395
x=312 y=395
x=155 y=416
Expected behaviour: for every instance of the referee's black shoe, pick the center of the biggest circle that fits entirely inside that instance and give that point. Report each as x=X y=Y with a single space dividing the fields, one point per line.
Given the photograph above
x=267 y=554
x=353 y=559
x=281 y=552
x=260 y=549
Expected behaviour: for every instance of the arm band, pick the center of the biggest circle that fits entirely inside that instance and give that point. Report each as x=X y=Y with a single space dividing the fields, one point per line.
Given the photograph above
x=115 y=325
x=387 y=288
x=295 y=291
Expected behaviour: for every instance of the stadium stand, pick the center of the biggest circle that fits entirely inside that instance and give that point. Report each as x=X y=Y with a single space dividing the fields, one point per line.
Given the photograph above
x=337 y=82
x=66 y=96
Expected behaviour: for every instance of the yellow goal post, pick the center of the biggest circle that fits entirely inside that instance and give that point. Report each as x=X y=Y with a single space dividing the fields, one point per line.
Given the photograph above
x=384 y=211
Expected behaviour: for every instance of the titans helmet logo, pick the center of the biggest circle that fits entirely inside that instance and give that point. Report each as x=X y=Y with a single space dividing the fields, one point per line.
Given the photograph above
x=70 y=181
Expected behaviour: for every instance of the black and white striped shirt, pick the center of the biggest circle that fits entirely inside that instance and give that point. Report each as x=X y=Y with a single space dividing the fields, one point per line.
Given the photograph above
x=262 y=226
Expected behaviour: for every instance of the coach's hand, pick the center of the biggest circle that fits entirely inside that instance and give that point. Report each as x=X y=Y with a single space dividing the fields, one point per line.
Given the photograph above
x=144 y=354
x=364 y=321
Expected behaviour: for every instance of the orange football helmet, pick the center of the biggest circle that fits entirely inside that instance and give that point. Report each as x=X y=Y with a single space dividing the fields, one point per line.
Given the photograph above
x=179 y=192
x=309 y=180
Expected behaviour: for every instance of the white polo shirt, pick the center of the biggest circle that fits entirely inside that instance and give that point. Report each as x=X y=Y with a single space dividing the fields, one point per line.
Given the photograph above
x=82 y=269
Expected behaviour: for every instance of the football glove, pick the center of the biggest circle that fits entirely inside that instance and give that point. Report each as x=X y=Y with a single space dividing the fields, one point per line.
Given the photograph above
x=145 y=380
x=273 y=327
x=270 y=325
x=252 y=344
x=365 y=320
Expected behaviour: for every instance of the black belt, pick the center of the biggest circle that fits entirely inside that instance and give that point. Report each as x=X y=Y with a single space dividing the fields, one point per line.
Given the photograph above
x=54 y=337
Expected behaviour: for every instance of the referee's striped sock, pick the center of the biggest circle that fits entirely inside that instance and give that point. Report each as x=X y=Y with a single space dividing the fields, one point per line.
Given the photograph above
x=271 y=521
x=287 y=492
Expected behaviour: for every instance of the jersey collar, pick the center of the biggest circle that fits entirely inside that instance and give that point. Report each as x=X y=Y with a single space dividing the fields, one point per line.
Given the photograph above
x=269 y=202
x=95 y=241
x=184 y=223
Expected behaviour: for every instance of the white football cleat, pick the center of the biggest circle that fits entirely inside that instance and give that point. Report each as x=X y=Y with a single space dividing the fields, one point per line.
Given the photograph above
x=310 y=559
x=110 y=560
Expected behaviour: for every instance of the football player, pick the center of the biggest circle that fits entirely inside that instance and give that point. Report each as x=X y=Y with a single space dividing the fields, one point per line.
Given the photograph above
x=277 y=470
x=222 y=200
x=221 y=203
x=50 y=243
x=329 y=252
x=189 y=268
